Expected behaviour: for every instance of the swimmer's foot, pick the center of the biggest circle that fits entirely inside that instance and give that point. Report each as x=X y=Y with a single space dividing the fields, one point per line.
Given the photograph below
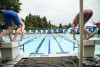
x=20 y=40
x=89 y=36
x=2 y=40
x=15 y=41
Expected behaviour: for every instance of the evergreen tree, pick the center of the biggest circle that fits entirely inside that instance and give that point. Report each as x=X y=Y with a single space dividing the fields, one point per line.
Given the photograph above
x=36 y=22
x=13 y=4
x=60 y=25
x=69 y=25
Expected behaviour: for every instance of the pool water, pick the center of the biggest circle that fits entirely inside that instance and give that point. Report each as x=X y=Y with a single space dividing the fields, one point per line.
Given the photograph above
x=50 y=44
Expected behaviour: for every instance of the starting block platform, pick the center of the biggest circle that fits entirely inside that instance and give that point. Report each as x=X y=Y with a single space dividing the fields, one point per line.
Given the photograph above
x=9 y=50
x=89 y=46
x=88 y=42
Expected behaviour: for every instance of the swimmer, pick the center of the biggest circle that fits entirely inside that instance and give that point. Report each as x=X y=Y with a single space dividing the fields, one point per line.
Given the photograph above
x=9 y=16
x=87 y=15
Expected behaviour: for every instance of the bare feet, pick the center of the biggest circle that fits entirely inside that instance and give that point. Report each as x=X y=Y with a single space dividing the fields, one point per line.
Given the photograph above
x=2 y=40
x=14 y=41
x=20 y=39
x=89 y=36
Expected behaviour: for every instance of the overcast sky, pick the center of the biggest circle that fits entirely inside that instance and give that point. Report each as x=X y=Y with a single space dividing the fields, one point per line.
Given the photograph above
x=57 y=11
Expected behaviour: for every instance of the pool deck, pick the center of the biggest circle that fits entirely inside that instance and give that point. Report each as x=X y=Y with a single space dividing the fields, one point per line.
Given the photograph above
x=54 y=59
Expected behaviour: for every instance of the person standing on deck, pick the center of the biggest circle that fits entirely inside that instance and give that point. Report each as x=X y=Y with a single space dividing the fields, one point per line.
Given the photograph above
x=87 y=15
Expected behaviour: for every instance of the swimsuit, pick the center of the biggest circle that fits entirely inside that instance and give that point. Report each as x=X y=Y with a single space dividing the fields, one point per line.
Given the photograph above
x=87 y=15
x=10 y=16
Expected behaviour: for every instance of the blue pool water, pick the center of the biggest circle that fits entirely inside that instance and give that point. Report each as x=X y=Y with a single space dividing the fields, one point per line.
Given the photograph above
x=50 y=44
x=46 y=44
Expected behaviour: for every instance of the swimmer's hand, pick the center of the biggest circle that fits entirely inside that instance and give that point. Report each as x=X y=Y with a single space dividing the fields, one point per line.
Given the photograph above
x=74 y=38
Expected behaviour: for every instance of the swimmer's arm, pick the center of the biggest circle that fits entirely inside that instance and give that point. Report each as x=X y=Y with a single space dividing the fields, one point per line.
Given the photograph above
x=73 y=26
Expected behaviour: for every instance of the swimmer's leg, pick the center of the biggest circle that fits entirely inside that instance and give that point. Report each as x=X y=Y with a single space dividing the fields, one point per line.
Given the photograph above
x=1 y=40
x=89 y=36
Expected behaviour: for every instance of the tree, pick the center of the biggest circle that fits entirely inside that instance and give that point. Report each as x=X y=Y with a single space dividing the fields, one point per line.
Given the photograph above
x=14 y=4
x=49 y=25
x=45 y=22
x=6 y=4
x=69 y=25
x=60 y=25
x=65 y=26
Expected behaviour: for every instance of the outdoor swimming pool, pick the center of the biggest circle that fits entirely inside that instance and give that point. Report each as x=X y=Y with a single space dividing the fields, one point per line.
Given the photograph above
x=50 y=44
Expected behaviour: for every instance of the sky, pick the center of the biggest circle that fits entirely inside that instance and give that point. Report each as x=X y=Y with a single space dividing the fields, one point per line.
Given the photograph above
x=57 y=11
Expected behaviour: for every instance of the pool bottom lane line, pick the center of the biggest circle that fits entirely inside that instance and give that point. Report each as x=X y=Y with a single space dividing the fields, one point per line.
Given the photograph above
x=62 y=51
x=38 y=48
x=49 y=50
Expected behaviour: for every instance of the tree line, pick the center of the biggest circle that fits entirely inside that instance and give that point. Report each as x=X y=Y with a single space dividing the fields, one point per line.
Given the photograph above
x=31 y=21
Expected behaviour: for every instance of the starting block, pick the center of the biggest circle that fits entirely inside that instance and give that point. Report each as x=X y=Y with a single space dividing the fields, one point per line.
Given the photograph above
x=88 y=47
x=9 y=50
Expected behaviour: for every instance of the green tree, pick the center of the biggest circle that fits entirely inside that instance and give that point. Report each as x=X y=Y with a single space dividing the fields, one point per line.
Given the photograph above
x=65 y=26
x=36 y=22
x=69 y=25
x=45 y=22
x=14 y=4
x=60 y=25
x=49 y=25
x=5 y=4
